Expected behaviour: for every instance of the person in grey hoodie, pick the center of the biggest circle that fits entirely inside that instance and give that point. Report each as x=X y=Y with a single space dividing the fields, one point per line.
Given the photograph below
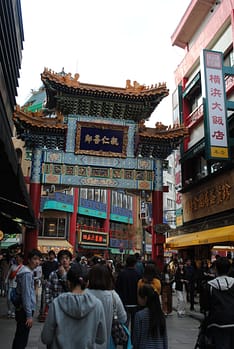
x=219 y=303
x=26 y=306
x=75 y=319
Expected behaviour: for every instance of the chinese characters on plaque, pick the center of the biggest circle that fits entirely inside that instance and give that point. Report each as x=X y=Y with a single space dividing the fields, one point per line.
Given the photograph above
x=216 y=115
x=101 y=139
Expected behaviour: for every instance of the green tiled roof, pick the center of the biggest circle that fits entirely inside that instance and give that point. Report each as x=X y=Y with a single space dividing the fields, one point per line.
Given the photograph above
x=35 y=102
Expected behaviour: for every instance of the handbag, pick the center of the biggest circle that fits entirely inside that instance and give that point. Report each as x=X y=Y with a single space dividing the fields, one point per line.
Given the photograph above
x=118 y=330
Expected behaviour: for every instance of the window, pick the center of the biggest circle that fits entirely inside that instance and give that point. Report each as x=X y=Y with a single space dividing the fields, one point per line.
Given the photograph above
x=170 y=170
x=97 y=194
x=90 y=222
x=169 y=203
x=129 y=202
x=103 y=196
x=83 y=193
x=229 y=59
x=114 y=198
x=53 y=227
x=90 y=195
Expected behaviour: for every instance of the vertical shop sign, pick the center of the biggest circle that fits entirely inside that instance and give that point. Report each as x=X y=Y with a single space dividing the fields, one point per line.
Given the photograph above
x=215 y=117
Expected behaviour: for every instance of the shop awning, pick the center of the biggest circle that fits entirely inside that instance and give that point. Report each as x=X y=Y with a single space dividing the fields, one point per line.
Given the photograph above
x=9 y=242
x=211 y=236
x=44 y=245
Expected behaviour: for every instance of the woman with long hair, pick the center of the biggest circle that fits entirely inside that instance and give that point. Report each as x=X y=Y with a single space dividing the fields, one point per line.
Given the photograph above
x=150 y=324
x=102 y=287
x=167 y=281
x=150 y=277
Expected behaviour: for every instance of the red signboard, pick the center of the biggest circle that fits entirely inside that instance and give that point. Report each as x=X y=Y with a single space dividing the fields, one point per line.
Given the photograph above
x=89 y=237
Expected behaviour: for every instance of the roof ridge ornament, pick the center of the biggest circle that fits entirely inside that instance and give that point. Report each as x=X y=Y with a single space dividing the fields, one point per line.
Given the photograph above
x=62 y=78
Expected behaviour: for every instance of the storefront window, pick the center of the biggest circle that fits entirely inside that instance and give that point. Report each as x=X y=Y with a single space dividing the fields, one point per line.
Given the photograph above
x=53 y=227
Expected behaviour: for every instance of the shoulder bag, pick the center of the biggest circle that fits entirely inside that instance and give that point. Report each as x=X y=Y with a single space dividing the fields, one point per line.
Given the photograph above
x=118 y=330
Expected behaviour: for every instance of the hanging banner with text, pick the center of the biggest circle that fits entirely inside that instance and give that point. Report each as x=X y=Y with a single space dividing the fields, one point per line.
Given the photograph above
x=215 y=115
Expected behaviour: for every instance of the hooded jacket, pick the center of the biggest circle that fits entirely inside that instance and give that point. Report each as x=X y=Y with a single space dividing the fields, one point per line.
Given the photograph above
x=221 y=302
x=74 y=321
x=25 y=288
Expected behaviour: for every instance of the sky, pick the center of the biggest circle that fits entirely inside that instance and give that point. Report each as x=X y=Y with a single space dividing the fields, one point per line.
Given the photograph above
x=105 y=41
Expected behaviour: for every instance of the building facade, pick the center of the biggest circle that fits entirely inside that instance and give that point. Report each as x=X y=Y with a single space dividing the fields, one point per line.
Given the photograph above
x=15 y=204
x=205 y=172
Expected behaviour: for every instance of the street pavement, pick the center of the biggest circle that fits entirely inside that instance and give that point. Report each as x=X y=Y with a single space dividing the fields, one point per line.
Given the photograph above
x=182 y=332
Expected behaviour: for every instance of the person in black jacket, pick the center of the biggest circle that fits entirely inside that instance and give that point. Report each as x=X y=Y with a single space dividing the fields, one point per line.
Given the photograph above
x=180 y=285
x=126 y=287
x=219 y=303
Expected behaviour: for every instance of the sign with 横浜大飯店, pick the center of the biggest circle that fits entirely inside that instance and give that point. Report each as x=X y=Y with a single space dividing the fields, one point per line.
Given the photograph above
x=215 y=106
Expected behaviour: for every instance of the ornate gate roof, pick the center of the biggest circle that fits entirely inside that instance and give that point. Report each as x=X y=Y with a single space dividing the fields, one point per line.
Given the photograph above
x=66 y=95
x=133 y=102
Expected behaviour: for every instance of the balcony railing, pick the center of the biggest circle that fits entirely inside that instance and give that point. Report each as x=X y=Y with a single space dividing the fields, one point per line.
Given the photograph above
x=195 y=116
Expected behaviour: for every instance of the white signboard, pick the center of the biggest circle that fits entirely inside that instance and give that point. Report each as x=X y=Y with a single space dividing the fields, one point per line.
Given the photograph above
x=215 y=97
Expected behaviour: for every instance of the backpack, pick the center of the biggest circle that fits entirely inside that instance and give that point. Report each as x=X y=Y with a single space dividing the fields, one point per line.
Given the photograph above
x=15 y=297
x=221 y=306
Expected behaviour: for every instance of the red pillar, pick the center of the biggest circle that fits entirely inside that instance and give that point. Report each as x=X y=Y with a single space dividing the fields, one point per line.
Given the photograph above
x=157 y=239
x=73 y=219
x=157 y=215
x=31 y=235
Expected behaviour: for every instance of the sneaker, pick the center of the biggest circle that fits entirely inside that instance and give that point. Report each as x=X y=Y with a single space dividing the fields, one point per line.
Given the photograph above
x=12 y=315
x=8 y=315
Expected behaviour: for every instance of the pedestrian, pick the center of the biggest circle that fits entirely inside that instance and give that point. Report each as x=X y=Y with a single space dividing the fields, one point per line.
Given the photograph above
x=57 y=282
x=11 y=283
x=47 y=267
x=4 y=267
x=219 y=303
x=84 y=264
x=100 y=285
x=180 y=284
x=203 y=278
x=166 y=292
x=126 y=287
x=76 y=318
x=150 y=276
x=139 y=264
x=37 y=276
x=190 y=272
x=26 y=307
x=150 y=324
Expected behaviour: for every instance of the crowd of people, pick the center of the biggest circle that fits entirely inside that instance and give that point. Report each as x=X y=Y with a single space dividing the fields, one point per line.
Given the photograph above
x=77 y=298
